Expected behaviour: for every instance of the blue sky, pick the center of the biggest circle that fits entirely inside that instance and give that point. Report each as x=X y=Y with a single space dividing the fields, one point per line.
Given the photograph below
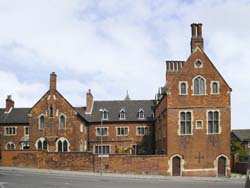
x=112 y=46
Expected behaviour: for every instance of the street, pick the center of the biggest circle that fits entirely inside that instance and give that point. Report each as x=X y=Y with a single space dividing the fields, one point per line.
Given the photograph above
x=19 y=179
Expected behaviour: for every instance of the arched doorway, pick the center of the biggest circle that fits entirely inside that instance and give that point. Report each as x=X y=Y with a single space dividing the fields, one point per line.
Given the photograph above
x=222 y=166
x=176 y=166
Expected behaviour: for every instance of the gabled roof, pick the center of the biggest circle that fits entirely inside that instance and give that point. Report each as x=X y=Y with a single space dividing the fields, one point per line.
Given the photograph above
x=15 y=116
x=113 y=108
x=242 y=134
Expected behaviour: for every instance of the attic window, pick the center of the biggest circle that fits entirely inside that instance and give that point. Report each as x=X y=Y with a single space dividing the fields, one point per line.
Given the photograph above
x=198 y=64
x=105 y=115
x=141 y=114
x=122 y=114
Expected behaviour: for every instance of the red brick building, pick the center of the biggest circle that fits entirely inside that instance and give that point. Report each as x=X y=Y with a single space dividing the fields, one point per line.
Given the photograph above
x=188 y=123
x=193 y=115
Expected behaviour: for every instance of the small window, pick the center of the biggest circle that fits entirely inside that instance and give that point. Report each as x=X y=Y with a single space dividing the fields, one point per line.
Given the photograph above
x=62 y=121
x=141 y=114
x=10 y=131
x=101 y=131
x=103 y=150
x=199 y=124
x=122 y=114
x=122 y=131
x=183 y=90
x=105 y=115
x=42 y=144
x=142 y=131
x=215 y=87
x=10 y=146
x=26 y=131
x=41 y=122
x=198 y=64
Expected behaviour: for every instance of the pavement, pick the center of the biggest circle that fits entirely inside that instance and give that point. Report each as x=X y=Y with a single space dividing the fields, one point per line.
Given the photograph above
x=233 y=178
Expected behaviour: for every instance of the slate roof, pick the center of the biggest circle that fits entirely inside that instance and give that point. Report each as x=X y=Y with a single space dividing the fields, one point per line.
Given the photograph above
x=131 y=108
x=16 y=116
x=242 y=134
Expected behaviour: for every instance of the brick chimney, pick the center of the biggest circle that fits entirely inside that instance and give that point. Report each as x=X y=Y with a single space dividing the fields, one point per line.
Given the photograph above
x=196 y=39
x=89 y=101
x=9 y=104
x=52 y=84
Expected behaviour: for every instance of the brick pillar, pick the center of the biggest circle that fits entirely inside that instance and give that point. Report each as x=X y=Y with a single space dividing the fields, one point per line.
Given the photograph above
x=52 y=82
x=89 y=101
x=9 y=103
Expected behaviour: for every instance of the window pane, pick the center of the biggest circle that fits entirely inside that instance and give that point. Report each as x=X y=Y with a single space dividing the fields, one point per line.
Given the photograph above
x=210 y=127
x=216 y=127
x=188 y=128
x=182 y=116
x=51 y=111
x=210 y=116
x=60 y=146
x=182 y=127
x=183 y=88
x=45 y=143
x=196 y=86
x=216 y=116
x=40 y=145
x=215 y=88
x=65 y=146
x=202 y=86
x=188 y=116
x=62 y=122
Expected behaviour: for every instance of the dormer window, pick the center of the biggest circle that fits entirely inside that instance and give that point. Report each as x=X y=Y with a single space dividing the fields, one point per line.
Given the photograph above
x=105 y=115
x=122 y=114
x=141 y=114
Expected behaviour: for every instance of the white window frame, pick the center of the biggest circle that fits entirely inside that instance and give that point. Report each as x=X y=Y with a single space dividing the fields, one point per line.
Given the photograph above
x=103 y=145
x=97 y=134
x=205 y=84
x=117 y=132
x=143 y=114
x=146 y=130
x=42 y=139
x=65 y=119
x=186 y=83
x=219 y=122
x=179 y=122
x=211 y=86
x=122 y=111
x=39 y=121
x=9 y=143
x=195 y=64
x=62 y=139
x=7 y=133
x=105 y=111
x=196 y=124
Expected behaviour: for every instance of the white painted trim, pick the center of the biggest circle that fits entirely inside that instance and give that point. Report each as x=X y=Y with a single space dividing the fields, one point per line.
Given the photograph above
x=62 y=139
x=179 y=122
x=39 y=121
x=10 y=142
x=99 y=145
x=8 y=111
x=13 y=128
x=42 y=139
x=199 y=169
x=59 y=118
x=102 y=131
x=116 y=128
x=219 y=121
x=211 y=87
x=201 y=124
x=195 y=66
x=170 y=162
x=145 y=127
x=205 y=83
x=181 y=82
x=141 y=110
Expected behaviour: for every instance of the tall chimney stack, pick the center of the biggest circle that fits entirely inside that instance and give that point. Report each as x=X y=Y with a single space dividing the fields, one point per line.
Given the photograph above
x=196 y=39
x=9 y=104
x=89 y=101
x=52 y=86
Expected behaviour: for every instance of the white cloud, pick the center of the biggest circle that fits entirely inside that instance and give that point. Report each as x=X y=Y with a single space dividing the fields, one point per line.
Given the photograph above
x=112 y=46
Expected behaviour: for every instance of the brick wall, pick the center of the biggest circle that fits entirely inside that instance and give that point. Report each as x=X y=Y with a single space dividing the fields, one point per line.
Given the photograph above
x=86 y=162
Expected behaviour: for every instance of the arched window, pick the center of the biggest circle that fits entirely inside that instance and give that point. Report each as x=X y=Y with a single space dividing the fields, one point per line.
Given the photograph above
x=62 y=122
x=51 y=111
x=122 y=114
x=199 y=85
x=141 y=114
x=10 y=146
x=41 y=144
x=60 y=149
x=41 y=122
x=62 y=145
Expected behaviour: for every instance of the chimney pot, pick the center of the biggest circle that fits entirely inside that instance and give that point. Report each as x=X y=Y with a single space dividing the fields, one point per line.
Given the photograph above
x=196 y=39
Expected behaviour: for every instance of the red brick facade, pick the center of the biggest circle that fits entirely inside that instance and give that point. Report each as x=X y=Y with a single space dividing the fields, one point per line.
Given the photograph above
x=188 y=124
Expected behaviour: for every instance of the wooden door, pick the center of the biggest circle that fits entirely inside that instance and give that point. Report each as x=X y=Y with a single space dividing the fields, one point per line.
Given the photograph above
x=222 y=166
x=176 y=166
